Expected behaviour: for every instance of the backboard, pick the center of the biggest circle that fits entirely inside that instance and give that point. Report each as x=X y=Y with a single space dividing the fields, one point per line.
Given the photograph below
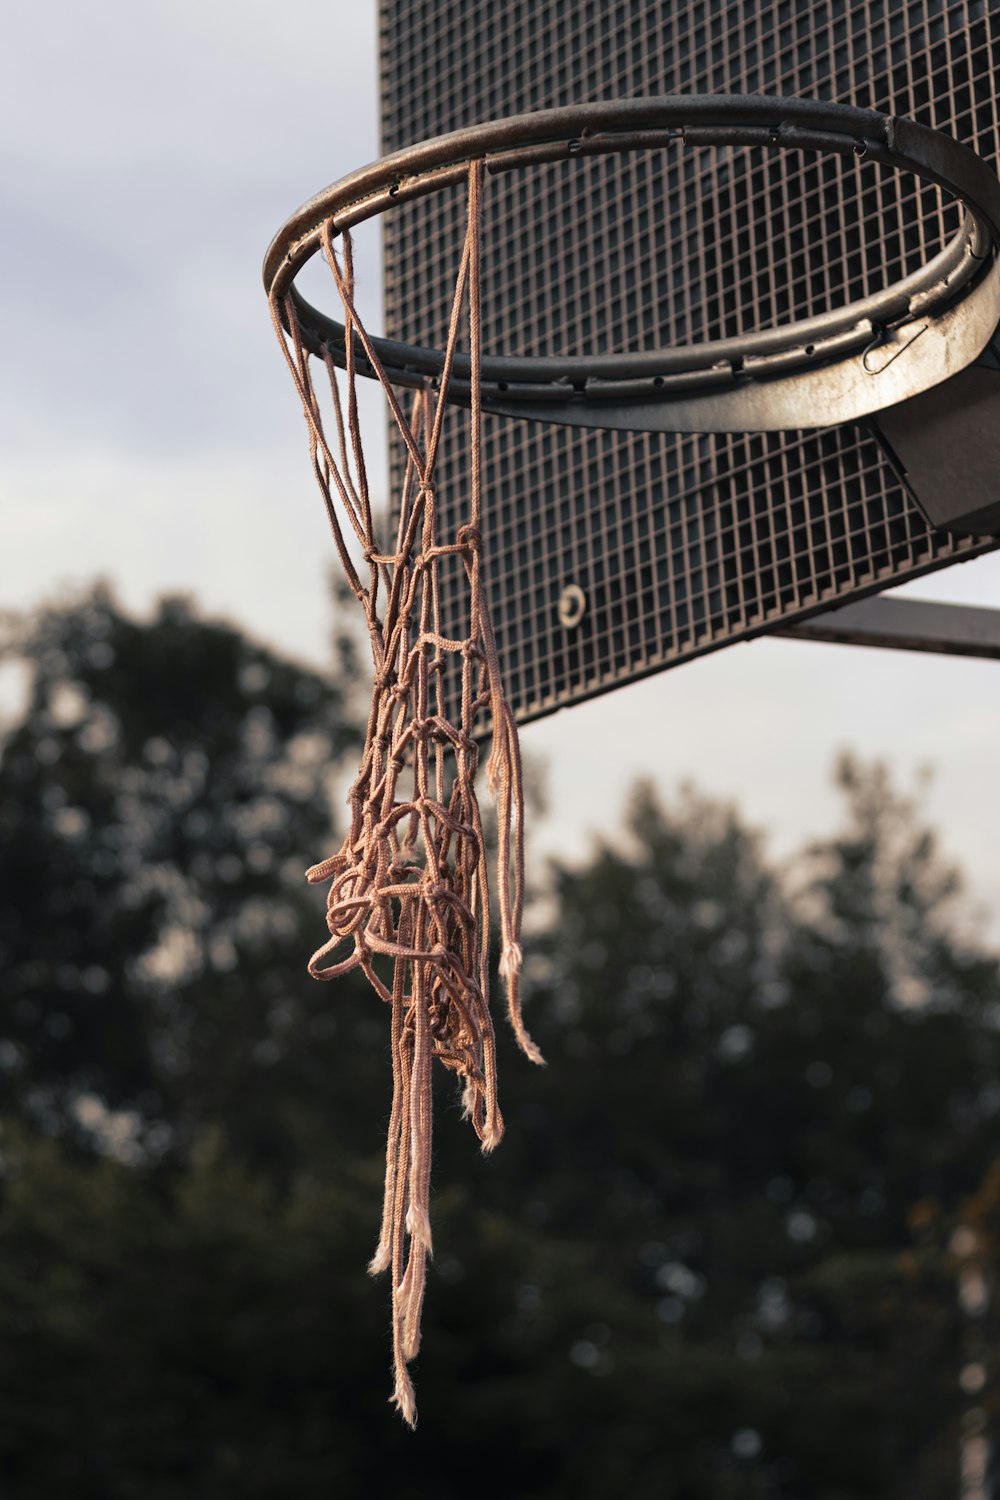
x=612 y=555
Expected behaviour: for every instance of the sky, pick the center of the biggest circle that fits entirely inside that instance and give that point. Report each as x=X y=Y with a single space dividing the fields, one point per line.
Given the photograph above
x=149 y=433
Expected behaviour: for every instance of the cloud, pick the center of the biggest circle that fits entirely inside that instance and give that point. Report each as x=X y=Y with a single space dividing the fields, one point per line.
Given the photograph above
x=167 y=142
x=232 y=83
x=247 y=538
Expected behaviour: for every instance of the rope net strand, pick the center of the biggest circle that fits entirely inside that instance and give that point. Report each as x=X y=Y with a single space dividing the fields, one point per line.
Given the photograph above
x=410 y=884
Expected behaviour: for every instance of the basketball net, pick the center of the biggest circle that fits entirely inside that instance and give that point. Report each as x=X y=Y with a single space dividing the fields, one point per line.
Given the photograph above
x=409 y=885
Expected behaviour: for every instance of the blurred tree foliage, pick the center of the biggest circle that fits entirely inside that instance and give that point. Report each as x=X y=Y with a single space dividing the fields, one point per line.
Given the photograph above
x=717 y=1257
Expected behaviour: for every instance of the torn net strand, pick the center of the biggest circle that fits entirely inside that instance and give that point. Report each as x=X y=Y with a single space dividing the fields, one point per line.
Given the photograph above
x=409 y=883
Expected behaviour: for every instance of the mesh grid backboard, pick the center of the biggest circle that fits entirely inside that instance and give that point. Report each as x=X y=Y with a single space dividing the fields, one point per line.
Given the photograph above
x=680 y=544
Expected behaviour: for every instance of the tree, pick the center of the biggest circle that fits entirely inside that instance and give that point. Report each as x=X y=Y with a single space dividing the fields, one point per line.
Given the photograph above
x=713 y=1259
x=159 y=795
x=781 y=1099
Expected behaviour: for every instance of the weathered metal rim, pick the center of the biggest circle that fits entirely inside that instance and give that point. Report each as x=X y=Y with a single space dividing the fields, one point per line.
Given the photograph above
x=550 y=135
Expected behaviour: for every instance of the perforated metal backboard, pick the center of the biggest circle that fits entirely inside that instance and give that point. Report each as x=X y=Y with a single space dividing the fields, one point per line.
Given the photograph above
x=678 y=545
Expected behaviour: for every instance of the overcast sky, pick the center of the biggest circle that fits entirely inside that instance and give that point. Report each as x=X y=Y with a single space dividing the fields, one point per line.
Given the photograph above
x=149 y=432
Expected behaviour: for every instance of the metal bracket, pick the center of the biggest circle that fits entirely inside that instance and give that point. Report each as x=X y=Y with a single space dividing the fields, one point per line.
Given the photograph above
x=945 y=446
x=906 y=625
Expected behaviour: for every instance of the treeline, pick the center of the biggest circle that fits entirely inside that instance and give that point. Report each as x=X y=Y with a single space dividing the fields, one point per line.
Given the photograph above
x=738 y=1242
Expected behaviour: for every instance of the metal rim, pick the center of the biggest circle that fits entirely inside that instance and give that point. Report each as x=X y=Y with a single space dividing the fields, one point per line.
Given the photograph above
x=814 y=372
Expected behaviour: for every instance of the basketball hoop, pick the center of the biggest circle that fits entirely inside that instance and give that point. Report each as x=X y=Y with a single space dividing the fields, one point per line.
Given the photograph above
x=408 y=887
x=818 y=372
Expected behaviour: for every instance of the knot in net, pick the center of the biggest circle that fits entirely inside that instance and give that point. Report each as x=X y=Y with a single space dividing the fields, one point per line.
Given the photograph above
x=409 y=893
